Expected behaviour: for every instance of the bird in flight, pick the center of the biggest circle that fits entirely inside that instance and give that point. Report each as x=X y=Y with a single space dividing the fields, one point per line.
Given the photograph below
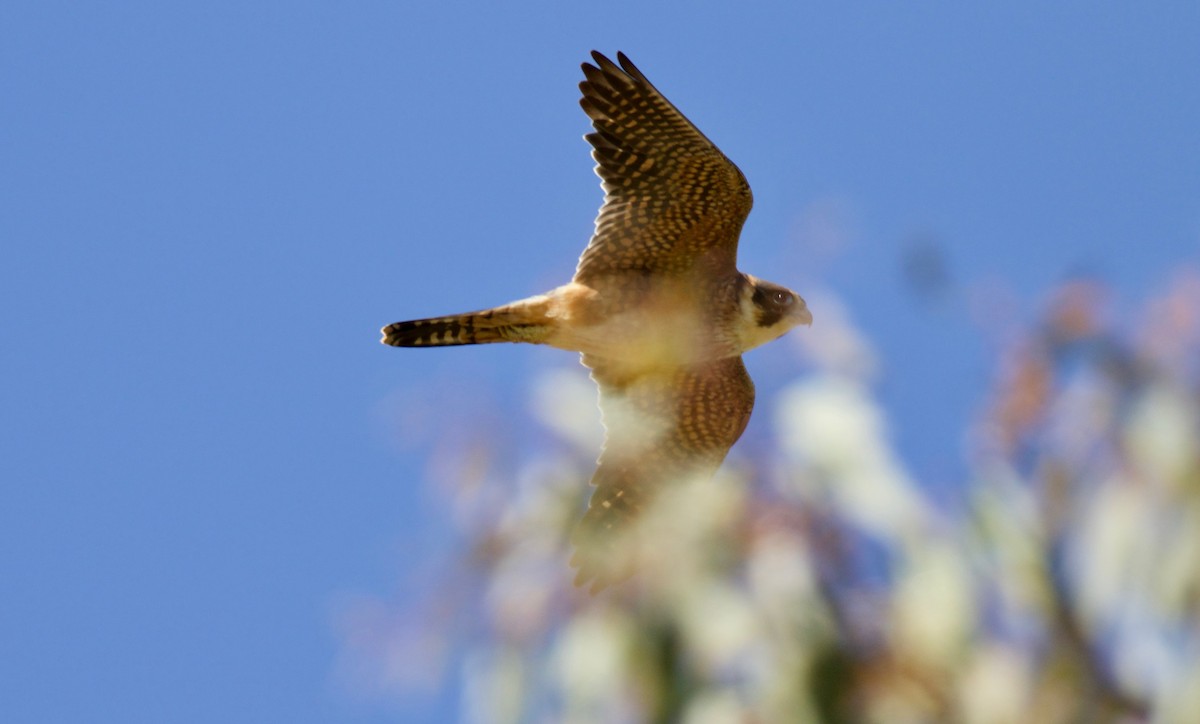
x=657 y=307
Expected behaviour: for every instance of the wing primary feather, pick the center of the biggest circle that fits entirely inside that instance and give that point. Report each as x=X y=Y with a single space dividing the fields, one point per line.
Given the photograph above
x=596 y=76
x=660 y=430
x=671 y=197
x=632 y=70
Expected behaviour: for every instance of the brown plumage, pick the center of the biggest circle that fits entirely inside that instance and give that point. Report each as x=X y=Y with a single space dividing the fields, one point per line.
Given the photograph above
x=657 y=307
x=671 y=197
x=662 y=427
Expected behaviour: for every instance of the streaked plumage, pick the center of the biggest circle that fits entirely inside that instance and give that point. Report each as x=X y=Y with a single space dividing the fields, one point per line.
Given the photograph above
x=657 y=308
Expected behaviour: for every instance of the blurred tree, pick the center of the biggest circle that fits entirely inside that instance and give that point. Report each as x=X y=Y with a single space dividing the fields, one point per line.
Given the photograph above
x=817 y=583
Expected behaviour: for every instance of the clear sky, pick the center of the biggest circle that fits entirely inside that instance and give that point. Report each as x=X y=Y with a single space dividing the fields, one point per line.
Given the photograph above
x=207 y=210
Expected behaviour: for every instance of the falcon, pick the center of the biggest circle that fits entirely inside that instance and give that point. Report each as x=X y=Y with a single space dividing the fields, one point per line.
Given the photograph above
x=657 y=308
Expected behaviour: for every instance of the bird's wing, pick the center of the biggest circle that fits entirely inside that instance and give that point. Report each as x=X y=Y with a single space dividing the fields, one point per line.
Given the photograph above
x=660 y=428
x=671 y=197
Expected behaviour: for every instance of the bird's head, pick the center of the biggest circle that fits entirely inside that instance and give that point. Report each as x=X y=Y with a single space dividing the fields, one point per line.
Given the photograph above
x=768 y=311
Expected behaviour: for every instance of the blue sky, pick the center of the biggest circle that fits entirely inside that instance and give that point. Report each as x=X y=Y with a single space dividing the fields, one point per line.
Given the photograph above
x=208 y=210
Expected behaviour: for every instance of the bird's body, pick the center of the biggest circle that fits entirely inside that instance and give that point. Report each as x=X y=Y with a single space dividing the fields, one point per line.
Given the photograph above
x=642 y=325
x=657 y=307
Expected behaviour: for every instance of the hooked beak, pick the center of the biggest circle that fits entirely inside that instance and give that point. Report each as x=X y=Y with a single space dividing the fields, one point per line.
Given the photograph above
x=802 y=315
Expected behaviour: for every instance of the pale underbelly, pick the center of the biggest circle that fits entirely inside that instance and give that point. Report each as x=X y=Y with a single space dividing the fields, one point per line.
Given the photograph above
x=643 y=340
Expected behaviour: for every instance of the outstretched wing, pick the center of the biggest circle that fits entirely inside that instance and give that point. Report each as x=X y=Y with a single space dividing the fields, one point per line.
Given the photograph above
x=671 y=197
x=660 y=428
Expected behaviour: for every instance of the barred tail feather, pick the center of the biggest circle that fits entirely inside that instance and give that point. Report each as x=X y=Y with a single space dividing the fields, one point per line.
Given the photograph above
x=512 y=323
x=440 y=332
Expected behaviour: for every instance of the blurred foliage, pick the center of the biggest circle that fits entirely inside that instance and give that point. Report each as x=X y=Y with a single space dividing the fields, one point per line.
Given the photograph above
x=816 y=582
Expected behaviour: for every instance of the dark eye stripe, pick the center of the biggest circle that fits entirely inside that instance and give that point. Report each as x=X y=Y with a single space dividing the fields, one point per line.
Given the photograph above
x=770 y=310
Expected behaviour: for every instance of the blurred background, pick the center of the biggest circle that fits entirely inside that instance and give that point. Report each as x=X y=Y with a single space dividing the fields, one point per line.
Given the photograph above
x=970 y=492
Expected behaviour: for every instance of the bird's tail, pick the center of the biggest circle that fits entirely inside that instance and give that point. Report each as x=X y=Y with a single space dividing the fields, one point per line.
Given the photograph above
x=523 y=321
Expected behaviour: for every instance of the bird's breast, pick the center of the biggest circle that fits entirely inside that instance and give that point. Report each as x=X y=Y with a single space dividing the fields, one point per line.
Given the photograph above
x=642 y=327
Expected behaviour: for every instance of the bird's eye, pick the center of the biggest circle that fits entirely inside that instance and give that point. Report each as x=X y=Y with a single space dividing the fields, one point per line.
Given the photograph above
x=781 y=298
